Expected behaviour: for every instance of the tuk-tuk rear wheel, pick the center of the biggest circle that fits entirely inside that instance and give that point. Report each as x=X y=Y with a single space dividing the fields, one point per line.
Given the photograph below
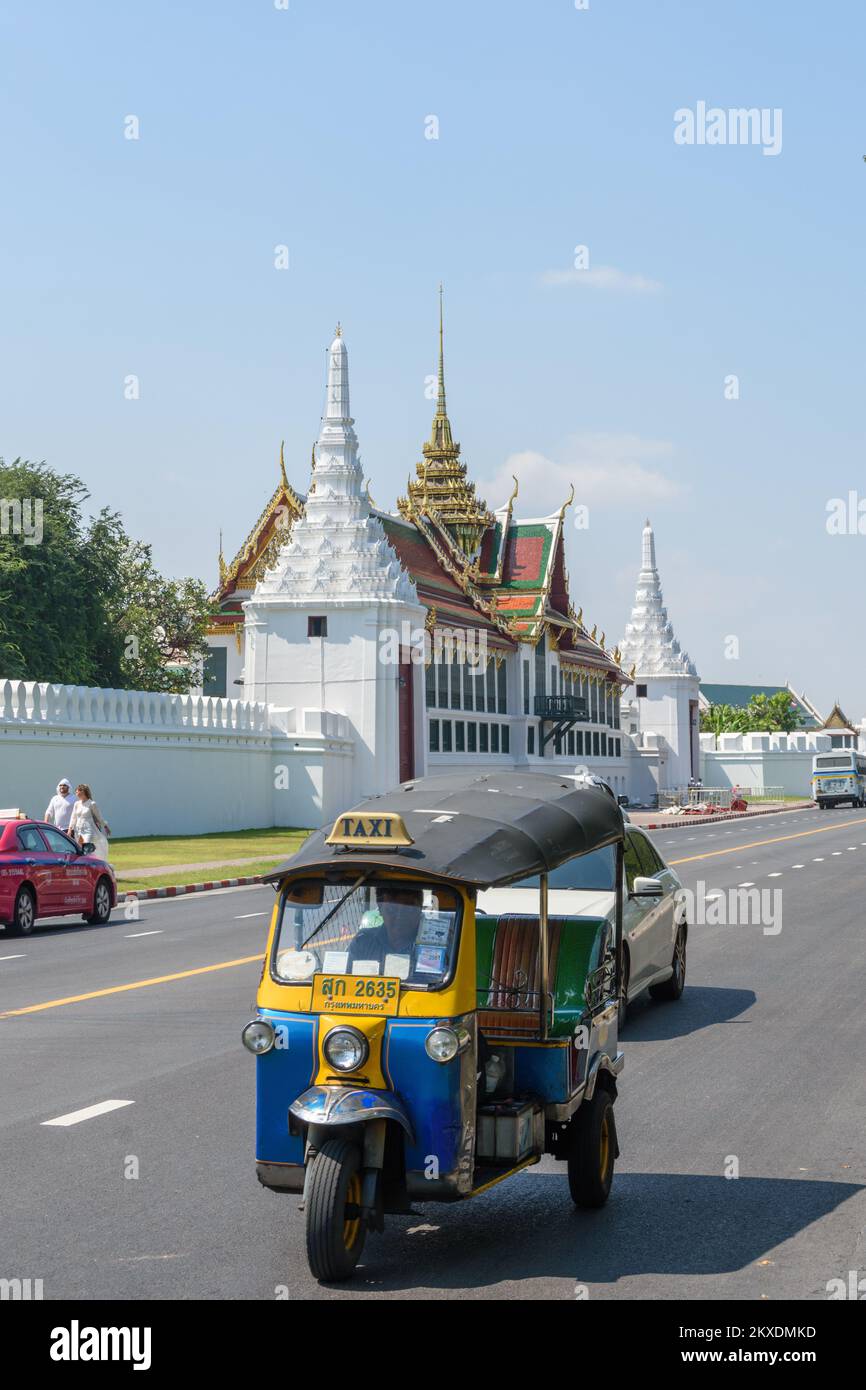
x=335 y=1227
x=592 y=1151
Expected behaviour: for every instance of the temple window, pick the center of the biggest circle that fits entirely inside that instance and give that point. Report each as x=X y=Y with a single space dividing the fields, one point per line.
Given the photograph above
x=540 y=666
x=501 y=688
x=460 y=737
x=434 y=735
x=317 y=627
x=506 y=739
x=494 y=738
x=525 y=669
x=472 y=740
x=484 y=737
x=530 y=740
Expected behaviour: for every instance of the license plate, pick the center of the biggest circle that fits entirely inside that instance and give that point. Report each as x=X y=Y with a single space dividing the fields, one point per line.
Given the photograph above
x=355 y=994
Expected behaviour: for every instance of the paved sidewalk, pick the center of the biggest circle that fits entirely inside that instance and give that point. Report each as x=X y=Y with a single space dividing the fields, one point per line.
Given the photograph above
x=162 y=869
x=657 y=820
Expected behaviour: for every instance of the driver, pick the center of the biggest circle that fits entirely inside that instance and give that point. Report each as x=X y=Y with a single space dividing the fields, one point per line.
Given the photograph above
x=396 y=926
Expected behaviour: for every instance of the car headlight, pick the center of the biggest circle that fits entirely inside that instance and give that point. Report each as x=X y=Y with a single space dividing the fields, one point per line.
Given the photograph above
x=345 y=1049
x=442 y=1044
x=258 y=1036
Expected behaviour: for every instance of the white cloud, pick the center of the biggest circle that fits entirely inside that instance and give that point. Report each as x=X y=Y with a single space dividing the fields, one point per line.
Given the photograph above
x=603 y=277
x=603 y=467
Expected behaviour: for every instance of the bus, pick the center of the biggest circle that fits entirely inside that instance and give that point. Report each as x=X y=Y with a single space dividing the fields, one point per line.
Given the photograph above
x=839 y=776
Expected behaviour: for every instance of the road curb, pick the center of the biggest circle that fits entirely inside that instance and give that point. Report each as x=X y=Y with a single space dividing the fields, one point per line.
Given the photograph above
x=179 y=889
x=683 y=822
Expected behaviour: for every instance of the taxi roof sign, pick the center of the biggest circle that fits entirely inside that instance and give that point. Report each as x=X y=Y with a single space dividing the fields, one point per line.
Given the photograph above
x=13 y=813
x=382 y=831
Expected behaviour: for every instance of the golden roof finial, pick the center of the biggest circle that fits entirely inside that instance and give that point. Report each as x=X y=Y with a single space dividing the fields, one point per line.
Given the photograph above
x=594 y=631
x=513 y=498
x=566 y=504
x=601 y=641
x=284 y=480
x=223 y=571
x=369 y=495
x=338 y=331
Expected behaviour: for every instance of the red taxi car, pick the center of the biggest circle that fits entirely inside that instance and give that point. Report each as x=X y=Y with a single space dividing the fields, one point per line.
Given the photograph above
x=45 y=874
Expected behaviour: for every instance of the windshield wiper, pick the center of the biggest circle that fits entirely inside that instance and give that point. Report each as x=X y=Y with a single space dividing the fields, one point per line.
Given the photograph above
x=337 y=906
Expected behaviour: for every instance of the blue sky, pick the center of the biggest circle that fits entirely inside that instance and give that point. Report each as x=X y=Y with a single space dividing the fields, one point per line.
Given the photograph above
x=306 y=127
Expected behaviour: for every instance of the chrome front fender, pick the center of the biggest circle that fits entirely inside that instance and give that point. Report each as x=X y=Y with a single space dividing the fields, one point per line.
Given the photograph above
x=344 y=1105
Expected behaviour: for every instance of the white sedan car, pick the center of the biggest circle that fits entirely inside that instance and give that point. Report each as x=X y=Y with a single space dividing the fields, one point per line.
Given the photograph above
x=653 y=930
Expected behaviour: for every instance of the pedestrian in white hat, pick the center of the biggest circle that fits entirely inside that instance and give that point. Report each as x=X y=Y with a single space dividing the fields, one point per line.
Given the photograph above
x=59 y=811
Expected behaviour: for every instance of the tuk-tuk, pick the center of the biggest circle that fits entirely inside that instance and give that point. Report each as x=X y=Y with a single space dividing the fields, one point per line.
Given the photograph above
x=411 y=1048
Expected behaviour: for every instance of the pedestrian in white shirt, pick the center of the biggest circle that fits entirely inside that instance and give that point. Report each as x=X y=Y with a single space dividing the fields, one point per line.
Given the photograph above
x=59 y=811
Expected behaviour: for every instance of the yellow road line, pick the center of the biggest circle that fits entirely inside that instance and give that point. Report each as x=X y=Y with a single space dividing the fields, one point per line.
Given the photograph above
x=121 y=989
x=777 y=839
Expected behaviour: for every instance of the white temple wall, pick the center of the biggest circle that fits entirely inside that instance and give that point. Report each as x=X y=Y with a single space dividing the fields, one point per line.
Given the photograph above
x=174 y=765
x=665 y=712
x=754 y=760
x=157 y=764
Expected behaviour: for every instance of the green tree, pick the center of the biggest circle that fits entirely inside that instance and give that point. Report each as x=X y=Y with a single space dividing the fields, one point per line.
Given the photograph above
x=80 y=601
x=773 y=713
x=723 y=719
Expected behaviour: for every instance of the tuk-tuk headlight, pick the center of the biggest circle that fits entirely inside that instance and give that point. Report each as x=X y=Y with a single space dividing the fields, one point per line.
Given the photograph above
x=258 y=1036
x=442 y=1044
x=345 y=1049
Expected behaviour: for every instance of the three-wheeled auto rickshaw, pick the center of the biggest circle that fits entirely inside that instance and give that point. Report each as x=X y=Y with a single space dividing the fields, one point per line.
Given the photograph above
x=412 y=1049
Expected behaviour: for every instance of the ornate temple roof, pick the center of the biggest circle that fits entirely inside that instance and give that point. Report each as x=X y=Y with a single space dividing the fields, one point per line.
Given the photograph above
x=649 y=645
x=470 y=567
x=836 y=719
x=238 y=579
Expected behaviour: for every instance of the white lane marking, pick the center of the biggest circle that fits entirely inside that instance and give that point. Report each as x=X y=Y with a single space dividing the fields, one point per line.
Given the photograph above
x=798 y=866
x=836 y=853
x=21 y=957
x=245 y=915
x=745 y=885
x=852 y=846
x=76 y=1116
x=819 y=860
x=133 y=934
x=776 y=875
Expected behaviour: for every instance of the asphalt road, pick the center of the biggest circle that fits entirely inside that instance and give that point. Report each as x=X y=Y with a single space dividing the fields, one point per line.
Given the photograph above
x=761 y=1063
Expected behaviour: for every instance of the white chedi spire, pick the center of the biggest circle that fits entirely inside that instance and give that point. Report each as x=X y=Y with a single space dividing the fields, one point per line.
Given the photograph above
x=337 y=550
x=649 y=643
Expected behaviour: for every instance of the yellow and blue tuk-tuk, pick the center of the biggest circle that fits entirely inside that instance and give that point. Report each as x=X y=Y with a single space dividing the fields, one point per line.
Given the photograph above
x=411 y=1048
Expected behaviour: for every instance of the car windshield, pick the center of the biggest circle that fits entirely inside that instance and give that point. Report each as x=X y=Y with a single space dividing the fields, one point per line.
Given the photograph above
x=367 y=926
x=593 y=871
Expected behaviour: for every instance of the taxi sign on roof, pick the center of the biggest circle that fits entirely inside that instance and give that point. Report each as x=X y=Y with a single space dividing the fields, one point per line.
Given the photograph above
x=13 y=813
x=382 y=831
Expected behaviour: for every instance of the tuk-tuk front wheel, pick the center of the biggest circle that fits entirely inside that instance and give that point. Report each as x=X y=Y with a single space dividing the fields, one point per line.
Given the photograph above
x=592 y=1150
x=335 y=1226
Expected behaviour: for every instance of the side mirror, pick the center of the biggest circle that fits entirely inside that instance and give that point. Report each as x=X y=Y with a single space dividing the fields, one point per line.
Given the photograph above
x=647 y=888
x=88 y=848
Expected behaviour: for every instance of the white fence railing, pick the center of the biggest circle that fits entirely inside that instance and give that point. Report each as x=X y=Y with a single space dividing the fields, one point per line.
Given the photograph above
x=34 y=702
x=695 y=797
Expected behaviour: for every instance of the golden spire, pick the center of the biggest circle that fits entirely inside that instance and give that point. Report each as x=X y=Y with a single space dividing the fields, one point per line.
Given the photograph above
x=283 y=477
x=442 y=488
x=223 y=571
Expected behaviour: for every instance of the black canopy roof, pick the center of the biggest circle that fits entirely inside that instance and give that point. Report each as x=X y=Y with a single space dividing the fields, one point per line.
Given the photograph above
x=483 y=829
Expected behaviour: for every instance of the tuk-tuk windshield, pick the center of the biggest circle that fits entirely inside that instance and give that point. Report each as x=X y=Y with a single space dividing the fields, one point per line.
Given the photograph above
x=365 y=926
